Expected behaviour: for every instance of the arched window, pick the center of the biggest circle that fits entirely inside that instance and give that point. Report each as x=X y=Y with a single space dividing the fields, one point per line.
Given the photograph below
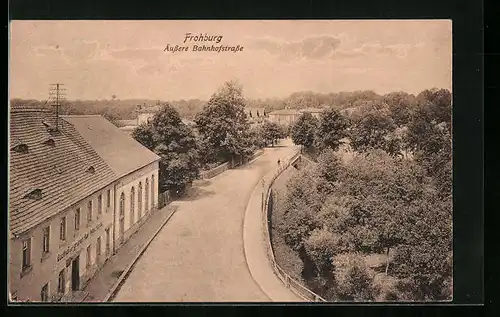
x=152 y=191
x=132 y=205
x=146 y=198
x=122 y=217
x=139 y=201
x=122 y=205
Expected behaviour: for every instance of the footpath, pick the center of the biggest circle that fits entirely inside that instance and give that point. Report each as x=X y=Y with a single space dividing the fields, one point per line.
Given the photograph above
x=104 y=285
x=255 y=245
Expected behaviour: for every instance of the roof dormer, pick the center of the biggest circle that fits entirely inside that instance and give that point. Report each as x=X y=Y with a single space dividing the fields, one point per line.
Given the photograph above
x=35 y=194
x=50 y=142
x=20 y=148
x=90 y=170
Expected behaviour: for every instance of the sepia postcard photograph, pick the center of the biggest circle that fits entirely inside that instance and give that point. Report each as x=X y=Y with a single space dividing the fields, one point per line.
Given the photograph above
x=202 y=161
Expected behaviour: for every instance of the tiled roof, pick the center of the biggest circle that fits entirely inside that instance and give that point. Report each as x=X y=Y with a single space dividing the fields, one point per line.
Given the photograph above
x=127 y=122
x=128 y=128
x=31 y=107
x=121 y=153
x=57 y=171
x=285 y=112
x=313 y=110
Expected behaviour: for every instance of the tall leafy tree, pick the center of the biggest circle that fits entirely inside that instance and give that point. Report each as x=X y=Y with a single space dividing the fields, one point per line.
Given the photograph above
x=176 y=144
x=353 y=281
x=304 y=130
x=424 y=262
x=401 y=106
x=223 y=123
x=271 y=132
x=438 y=103
x=144 y=135
x=333 y=127
x=374 y=129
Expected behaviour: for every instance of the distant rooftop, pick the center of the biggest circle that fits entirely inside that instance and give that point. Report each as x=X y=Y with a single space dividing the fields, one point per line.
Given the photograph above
x=120 y=152
x=311 y=110
x=285 y=112
x=49 y=170
x=30 y=108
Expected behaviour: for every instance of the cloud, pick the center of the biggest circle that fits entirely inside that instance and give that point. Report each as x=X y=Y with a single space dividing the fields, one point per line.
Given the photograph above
x=336 y=47
x=315 y=47
x=77 y=52
x=376 y=49
x=147 y=55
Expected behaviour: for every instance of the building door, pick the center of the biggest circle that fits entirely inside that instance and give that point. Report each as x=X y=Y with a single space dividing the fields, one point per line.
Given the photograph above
x=75 y=274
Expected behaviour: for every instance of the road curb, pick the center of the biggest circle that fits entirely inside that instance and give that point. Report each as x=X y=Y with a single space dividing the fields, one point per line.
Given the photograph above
x=260 y=273
x=116 y=287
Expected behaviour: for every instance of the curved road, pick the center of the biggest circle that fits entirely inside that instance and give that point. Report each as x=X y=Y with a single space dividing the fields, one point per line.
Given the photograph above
x=199 y=254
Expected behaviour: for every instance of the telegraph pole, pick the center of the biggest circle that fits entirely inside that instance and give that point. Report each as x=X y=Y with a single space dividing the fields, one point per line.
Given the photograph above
x=57 y=95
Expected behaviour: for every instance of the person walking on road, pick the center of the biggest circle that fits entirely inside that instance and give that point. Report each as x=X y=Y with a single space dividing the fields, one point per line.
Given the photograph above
x=279 y=162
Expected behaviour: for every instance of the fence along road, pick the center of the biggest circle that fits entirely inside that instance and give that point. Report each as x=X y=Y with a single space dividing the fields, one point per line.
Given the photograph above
x=288 y=281
x=199 y=255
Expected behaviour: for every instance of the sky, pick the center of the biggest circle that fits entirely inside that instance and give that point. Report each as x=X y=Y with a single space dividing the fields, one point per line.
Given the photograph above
x=99 y=59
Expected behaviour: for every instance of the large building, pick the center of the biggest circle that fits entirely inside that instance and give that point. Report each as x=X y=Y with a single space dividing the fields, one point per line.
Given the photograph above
x=78 y=188
x=315 y=112
x=284 y=117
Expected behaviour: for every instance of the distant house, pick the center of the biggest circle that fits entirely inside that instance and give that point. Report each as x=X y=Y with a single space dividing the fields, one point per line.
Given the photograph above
x=284 y=116
x=146 y=113
x=79 y=187
x=315 y=112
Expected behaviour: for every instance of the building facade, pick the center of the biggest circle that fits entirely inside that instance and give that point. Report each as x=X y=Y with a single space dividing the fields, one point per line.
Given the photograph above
x=63 y=200
x=136 y=196
x=135 y=168
x=285 y=117
x=146 y=113
x=315 y=112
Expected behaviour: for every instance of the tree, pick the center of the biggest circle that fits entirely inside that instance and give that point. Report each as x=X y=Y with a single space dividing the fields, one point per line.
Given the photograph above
x=271 y=132
x=304 y=130
x=373 y=130
x=302 y=201
x=176 y=144
x=144 y=135
x=424 y=262
x=380 y=190
x=327 y=170
x=401 y=106
x=223 y=123
x=332 y=129
x=438 y=104
x=257 y=139
x=353 y=282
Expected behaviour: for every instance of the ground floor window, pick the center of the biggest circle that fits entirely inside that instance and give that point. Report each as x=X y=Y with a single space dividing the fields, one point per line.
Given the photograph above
x=44 y=294
x=98 y=251
x=62 y=282
x=89 y=254
x=107 y=241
